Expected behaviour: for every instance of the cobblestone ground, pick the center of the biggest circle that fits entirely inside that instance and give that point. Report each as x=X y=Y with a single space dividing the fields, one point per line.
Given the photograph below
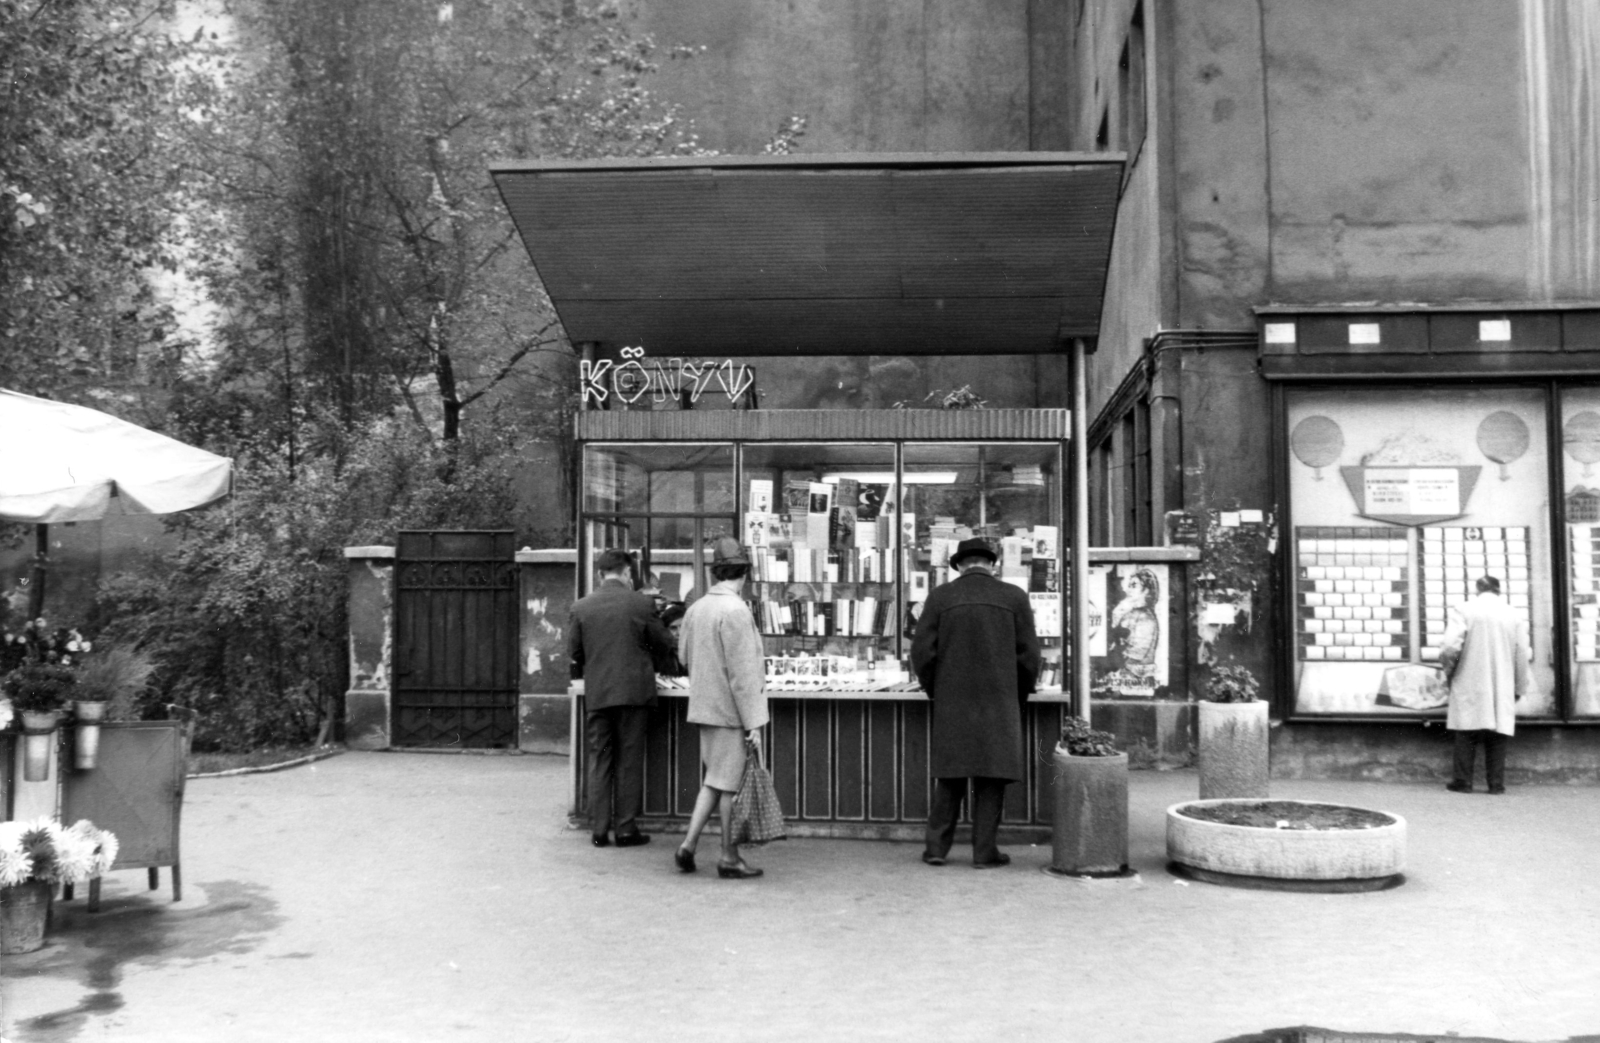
x=414 y=897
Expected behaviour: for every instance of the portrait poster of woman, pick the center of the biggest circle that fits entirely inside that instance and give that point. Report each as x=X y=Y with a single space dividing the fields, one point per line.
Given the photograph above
x=1135 y=664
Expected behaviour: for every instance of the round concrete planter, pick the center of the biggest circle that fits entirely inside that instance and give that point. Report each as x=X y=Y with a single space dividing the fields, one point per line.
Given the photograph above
x=1366 y=859
x=1233 y=747
x=1090 y=818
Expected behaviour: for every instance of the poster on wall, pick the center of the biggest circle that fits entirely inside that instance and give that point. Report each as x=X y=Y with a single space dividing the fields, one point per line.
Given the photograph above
x=1133 y=663
x=1401 y=499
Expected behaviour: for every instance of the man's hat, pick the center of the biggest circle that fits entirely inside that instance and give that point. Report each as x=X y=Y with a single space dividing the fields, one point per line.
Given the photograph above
x=977 y=547
x=611 y=560
x=727 y=551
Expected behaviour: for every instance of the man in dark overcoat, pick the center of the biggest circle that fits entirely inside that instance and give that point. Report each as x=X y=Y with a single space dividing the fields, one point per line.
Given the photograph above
x=613 y=637
x=977 y=656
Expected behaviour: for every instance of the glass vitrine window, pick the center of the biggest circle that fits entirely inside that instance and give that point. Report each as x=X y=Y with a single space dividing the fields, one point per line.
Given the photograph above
x=1580 y=512
x=1010 y=494
x=1401 y=499
x=845 y=539
x=819 y=522
x=664 y=502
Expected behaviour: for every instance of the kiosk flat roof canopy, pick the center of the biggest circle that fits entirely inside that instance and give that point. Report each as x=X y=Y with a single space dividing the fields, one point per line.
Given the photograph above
x=917 y=254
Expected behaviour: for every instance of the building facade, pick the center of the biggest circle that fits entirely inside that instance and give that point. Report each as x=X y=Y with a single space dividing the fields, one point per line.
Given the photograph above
x=1351 y=348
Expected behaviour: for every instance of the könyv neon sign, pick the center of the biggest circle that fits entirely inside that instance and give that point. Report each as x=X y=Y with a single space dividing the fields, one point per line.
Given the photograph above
x=663 y=379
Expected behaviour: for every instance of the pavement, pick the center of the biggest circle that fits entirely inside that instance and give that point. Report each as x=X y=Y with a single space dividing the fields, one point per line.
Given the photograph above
x=386 y=896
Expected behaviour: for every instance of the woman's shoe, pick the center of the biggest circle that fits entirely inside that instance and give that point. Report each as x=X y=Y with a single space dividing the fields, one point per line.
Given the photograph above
x=737 y=871
x=684 y=859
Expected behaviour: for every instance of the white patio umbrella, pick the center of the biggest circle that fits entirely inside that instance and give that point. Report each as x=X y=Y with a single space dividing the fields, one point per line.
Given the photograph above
x=64 y=463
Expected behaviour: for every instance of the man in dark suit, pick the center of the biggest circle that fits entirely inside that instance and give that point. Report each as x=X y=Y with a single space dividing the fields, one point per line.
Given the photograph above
x=977 y=656
x=612 y=637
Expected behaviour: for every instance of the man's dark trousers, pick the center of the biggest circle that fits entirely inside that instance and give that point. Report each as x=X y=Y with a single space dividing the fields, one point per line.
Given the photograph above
x=616 y=768
x=987 y=797
x=1494 y=757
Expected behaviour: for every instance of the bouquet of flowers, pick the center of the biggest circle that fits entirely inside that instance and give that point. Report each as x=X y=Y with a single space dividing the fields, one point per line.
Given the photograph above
x=44 y=850
x=38 y=667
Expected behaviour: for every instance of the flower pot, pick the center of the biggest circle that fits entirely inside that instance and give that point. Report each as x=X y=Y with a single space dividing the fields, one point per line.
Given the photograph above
x=1090 y=815
x=38 y=737
x=1233 y=749
x=24 y=913
x=86 y=743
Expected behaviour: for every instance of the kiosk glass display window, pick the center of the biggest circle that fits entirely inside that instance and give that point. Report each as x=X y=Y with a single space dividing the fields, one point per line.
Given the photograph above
x=1580 y=514
x=820 y=525
x=846 y=539
x=1400 y=499
x=663 y=502
x=1010 y=494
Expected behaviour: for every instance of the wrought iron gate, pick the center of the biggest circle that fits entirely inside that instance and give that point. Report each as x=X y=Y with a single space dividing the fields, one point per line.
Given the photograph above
x=455 y=640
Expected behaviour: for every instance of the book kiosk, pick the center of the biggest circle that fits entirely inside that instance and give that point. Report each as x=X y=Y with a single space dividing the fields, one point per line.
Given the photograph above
x=849 y=515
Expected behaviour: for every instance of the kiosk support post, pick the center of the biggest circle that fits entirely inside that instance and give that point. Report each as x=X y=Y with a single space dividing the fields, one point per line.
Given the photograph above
x=1080 y=531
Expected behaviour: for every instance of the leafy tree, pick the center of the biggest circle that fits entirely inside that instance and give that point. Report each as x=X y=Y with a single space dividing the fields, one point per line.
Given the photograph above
x=376 y=265
x=92 y=163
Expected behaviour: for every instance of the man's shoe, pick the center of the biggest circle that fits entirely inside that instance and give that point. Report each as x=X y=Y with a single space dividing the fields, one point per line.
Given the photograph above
x=683 y=858
x=737 y=871
x=1001 y=859
x=933 y=860
x=632 y=839
x=1497 y=790
x=600 y=840
x=1458 y=787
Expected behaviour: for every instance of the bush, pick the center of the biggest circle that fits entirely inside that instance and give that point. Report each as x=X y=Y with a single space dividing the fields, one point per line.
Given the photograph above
x=1083 y=741
x=245 y=618
x=1231 y=684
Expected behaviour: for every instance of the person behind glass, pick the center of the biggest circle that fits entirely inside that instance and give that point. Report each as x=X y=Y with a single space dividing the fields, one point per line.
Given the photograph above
x=977 y=656
x=669 y=664
x=722 y=649
x=613 y=638
x=1485 y=654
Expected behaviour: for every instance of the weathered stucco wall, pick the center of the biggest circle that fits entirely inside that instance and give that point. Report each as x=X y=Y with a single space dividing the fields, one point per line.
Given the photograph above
x=1371 y=151
x=904 y=76
x=1397 y=150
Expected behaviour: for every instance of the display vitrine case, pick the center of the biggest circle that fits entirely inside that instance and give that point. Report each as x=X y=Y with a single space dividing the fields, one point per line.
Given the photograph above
x=849 y=520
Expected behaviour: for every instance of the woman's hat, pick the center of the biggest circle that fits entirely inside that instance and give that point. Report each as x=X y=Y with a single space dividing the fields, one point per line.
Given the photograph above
x=728 y=551
x=977 y=547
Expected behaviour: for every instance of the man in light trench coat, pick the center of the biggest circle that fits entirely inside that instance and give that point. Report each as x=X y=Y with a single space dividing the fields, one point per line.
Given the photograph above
x=977 y=656
x=1485 y=654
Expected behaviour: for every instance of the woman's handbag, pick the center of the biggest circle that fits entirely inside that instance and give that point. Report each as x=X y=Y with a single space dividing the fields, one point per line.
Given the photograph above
x=757 y=815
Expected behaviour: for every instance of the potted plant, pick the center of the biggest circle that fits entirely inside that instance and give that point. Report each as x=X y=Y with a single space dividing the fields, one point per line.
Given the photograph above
x=1233 y=742
x=1090 y=816
x=108 y=688
x=38 y=677
x=36 y=856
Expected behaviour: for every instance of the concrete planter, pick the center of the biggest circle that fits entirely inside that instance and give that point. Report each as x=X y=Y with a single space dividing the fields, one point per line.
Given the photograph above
x=1350 y=859
x=1090 y=835
x=1233 y=747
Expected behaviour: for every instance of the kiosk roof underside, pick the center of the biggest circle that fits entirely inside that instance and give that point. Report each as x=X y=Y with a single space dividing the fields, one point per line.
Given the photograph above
x=967 y=254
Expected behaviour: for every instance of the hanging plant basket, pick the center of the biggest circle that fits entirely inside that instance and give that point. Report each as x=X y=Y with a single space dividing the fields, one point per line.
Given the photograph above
x=39 y=729
x=86 y=743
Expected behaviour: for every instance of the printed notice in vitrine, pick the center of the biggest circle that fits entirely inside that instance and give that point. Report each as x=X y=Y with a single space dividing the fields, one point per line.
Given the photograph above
x=1351 y=592
x=1585 y=592
x=1454 y=558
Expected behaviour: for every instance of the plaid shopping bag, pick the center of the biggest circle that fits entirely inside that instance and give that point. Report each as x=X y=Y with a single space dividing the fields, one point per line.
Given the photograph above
x=757 y=815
